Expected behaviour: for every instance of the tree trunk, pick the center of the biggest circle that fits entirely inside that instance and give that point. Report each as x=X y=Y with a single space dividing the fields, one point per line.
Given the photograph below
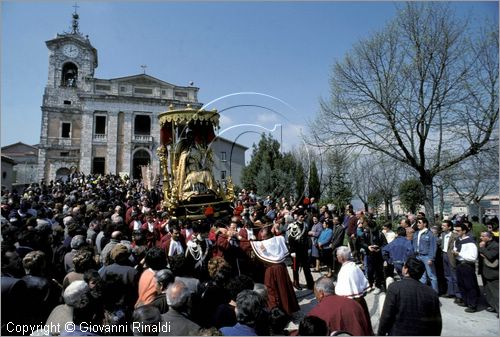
x=441 y=201
x=391 y=205
x=426 y=180
x=479 y=212
x=366 y=206
x=386 y=203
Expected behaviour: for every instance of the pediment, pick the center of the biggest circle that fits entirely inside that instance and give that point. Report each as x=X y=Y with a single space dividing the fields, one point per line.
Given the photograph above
x=143 y=80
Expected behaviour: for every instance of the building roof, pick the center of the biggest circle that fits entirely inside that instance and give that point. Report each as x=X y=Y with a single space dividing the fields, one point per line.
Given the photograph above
x=8 y=160
x=222 y=139
x=20 y=149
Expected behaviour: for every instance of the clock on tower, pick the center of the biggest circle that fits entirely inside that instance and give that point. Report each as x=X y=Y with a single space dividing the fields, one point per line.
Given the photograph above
x=70 y=50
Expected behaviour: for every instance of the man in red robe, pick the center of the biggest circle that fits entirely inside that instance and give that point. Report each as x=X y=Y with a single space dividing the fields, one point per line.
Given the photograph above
x=273 y=251
x=339 y=313
x=280 y=291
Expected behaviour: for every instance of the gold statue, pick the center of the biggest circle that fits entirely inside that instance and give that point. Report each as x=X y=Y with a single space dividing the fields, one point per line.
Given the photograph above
x=187 y=161
x=193 y=169
x=229 y=189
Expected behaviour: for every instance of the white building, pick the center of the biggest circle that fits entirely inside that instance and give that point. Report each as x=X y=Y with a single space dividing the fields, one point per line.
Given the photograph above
x=26 y=159
x=453 y=205
x=107 y=125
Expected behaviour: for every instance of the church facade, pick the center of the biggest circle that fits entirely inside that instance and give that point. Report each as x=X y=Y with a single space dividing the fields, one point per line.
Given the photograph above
x=94 y=125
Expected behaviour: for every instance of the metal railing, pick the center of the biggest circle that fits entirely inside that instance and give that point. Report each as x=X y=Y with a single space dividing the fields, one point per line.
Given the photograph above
x=62 y=141
x=143 y=138
x=100 y=137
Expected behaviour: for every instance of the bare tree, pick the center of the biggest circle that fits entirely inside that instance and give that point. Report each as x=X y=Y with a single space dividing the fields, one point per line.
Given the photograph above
x=376 y=174
x=361 y=176
x=386 y=177
x=336 y=178
x=440 y=186
x=423 y=91
x=475 y=178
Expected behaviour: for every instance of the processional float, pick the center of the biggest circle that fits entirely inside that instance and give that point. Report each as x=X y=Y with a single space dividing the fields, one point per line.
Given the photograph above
x=187 y=162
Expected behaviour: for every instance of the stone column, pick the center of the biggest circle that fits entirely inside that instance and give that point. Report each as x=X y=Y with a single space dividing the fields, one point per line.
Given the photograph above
x=112 y=138
x=155 y=134
x=127 y=141
x=42 y=157
x=42 y=152
x=86 y=142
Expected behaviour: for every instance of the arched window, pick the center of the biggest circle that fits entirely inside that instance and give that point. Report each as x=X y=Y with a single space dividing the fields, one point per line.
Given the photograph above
x=63 y=174
x=141 y=158
x=69 y=75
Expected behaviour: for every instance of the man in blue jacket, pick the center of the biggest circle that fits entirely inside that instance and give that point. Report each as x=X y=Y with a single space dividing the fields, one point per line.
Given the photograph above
x=424 y=247
x=397 y=251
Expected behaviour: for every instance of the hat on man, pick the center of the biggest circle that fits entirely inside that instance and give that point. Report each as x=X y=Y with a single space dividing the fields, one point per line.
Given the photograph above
x=119 y=252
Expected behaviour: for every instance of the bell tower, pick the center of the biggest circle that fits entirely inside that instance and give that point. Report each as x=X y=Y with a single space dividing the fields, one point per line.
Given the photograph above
x=72 y=62
x=72 y=59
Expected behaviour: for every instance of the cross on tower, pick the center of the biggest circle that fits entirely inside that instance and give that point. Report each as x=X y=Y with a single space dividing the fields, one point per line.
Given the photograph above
x=75 y=20
x=143 y=66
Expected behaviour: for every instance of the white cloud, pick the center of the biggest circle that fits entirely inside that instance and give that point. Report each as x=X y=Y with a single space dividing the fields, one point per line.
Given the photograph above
x=226 y=121
x=267 y=118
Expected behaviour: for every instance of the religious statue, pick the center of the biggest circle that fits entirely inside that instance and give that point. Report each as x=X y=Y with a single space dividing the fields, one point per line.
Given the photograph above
x=193 y=171
x=186 y=161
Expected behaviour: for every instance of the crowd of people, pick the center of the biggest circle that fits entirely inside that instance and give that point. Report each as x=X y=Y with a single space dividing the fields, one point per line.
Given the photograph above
x=102 y=253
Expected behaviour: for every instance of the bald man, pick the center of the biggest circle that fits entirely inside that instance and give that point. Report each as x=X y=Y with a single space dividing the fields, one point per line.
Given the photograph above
x=116 y=236
x=178 y=298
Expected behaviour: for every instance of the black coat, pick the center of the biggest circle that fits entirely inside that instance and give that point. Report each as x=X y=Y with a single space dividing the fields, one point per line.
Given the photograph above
x=410 y=309
x=372 y=237
x=299 y=245
x=490 y=252
x=338 y=236
x=42 y=295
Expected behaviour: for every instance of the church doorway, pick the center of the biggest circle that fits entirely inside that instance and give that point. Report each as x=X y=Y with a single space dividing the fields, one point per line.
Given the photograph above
x=63 y=174
x=141 y=158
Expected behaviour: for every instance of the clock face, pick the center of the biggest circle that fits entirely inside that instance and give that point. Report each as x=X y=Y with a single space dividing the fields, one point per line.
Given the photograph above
x=70 y=50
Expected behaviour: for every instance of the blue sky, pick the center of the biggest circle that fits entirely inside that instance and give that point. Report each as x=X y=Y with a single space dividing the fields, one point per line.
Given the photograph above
x=284 y=50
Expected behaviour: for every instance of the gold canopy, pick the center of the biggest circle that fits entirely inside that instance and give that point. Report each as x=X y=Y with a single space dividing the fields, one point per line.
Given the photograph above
x=189 y=115
x=186 y=162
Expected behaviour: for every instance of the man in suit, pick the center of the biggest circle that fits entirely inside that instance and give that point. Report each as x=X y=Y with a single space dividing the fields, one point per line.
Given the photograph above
x=488 y=250
x=466 y=253
x=337 y=241
x=447 y=240
x=297 y=239
x=410 y=307
x=372 y=241
x=178 y=295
